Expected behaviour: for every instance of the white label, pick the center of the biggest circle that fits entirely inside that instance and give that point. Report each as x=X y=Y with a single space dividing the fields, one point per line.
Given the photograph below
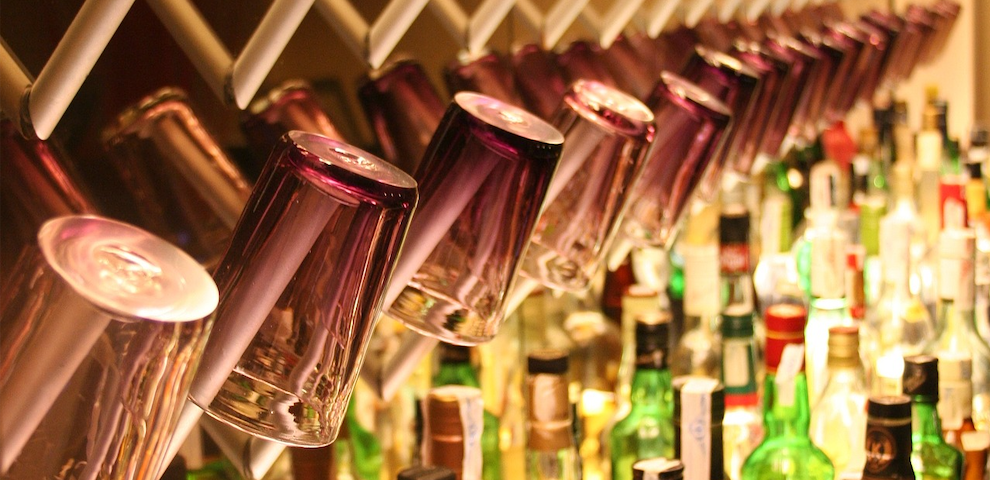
x=957 y=282
x=791 y=360
x=696 y=427
x=955 y=403
x=472 y=417
x=827 y=255
x=736 y=363
x=770 y=224
x=701 y=284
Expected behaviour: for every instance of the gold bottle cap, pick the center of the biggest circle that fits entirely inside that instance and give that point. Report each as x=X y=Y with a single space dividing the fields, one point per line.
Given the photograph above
x=843 y=346
x=929 y=119
x=549 y=413
x=452 y=429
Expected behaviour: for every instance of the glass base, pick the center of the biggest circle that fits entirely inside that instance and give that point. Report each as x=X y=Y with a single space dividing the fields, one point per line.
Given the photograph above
x=259 y=408
x=553 y=270
x=441 y=317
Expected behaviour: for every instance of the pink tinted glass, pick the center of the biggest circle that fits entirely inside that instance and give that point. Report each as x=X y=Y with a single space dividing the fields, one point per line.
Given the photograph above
x=583 y=60
x=301 y=289
x=488 y=74
x=538 y=80
x=290 y=106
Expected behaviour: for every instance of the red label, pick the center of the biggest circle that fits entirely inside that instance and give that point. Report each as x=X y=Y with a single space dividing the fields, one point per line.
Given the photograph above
x=952 y=194
x=734 y=258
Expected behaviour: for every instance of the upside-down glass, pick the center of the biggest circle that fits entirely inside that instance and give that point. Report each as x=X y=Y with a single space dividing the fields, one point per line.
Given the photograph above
x=631 y=71
x=607 y=134
x=301 y=290
x=691 y=123
x=945 y=13
x=583 y=59
x=404 y=109
x=289 y=106
x=874 y=52
x=771 y=76
x=483 y=181
x=100 y=343
x=735 y=84
x=847 y=80
x=487 y=74
x=185 y=188
x=538 y=80
x=792 y=112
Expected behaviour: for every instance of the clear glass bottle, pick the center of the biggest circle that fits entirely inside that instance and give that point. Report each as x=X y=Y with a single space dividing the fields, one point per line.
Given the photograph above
x=697 y=351
x=786 y=451
x=899 y=324
x=551 y=453
x=742 y=428
x=699 y=408
x=888 y=439
x=928 y=148
x=456 y=369
x=956 y=330
x=932 y=458
x=955 y=393
x=646 y=432
x=838 y=421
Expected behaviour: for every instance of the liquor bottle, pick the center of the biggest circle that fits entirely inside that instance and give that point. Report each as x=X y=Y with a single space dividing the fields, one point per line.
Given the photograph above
x=838 y=421
x=870 y=197
x=786 y=450
x=658 y=469
x=899 y=324
x=426 y=473
x=931 y=457
x=699 y=408
x=976 y=190
x=957 y=332
x=456 y=369
x=363 y=448
x=646 y=431
x=697 y=351
x=550 y=450
x=928 y=151
x=888 y=439
x=452 y=428
x=742 y=428
x=734 y=256
x=952 y=188
x=855 y=282
x=955 y=393
x=976 y=448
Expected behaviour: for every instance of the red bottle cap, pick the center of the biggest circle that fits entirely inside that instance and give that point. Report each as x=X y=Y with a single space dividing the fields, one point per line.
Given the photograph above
x=785 y=325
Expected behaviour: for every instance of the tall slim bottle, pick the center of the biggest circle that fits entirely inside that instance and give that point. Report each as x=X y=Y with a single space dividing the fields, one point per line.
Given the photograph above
x=550 y=452
x=838 y=421
x=957 y=332
x=699 y=408
x=928 y=150
x=786 y=451
x=955 y=393
x=742 y=428
x=456 y=369
x=888 y=439
x=452 y=430
x=932 y=458
x=646 y=432
x=697 y=351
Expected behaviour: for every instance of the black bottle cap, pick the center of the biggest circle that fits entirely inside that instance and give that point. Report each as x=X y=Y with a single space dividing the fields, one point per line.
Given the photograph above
x=733 y=225
x=652 y=332
x=450 y=353
x=921 y=378
x=659 y=469
x=547 y=361
x=427 y=473
x=700 y=384
x=893 y=407
x=737 y=321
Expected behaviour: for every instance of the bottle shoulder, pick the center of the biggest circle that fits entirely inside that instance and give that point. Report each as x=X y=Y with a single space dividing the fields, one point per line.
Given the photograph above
x=787 y=457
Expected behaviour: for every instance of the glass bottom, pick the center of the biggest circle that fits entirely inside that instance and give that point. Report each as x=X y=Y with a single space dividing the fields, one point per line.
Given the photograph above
x=439 y=316
x=259 y=408
x=554 y=270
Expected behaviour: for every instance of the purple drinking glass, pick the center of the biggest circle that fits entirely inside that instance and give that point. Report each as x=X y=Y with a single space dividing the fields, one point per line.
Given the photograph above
x=301 y=289
x=607 y=134
x=186 y=189
x=630 y=71
x=924 y=21
x=98 y=347
x=944 y=14
x=898 y=37
x=538 y=80
x=863 y=55
x=786 y=112
x=483 y=182
x=714 y=34
x=875 y=50
x=289 y=106
x=649 y=54
x=487 y=74
x=676 y=47
x=583 y=60
x=735 y=84
x=404 y=109
x=691 y=124
x=773 y=72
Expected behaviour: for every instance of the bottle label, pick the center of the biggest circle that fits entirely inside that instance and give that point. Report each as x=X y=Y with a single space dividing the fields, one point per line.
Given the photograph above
x=957 y=282
x=701 y=283
x=827 y=258
x=472 y=417
x=955 y=405
x=791 y=362
x=771 y=224
x=952 y=196
x=734 y=258
x=888 y=450
x=736 y=363
x=696 y=427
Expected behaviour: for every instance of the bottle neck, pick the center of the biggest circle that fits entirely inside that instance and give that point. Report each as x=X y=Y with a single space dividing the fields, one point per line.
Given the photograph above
x=649 y=386
x=846 y=377
x=956 y=322
x=739 y=371
x=786 y=412
x=925 y=423
x=456 y=373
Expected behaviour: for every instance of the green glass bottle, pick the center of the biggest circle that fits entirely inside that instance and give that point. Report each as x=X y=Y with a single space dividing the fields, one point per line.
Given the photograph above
x=360 y=446
x=742 y=428
x=786 y=451
x=646 y=432
x=887 y=440
x=456 y=369
x=932 y=458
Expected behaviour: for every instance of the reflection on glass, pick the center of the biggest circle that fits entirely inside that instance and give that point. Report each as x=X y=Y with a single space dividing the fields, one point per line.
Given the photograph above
x=538 y=80
x=487 y=74
x=583 y=59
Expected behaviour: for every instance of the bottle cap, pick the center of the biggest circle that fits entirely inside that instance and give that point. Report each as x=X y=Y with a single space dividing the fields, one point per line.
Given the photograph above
x=737 y=321
x=868 y=140
x=450 y=353
x=547 y=361
x=843 y=346
x=894 y=407
x=652 y=338
x=658 y=469
x=786 y=319
x=701 y=386
x=921 y=377
x=427 y=473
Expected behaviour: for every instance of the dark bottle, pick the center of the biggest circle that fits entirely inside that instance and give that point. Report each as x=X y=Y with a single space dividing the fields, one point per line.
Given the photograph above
x=426 y=473
x=888 y=439
x=658 y=469
x=699 y=408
